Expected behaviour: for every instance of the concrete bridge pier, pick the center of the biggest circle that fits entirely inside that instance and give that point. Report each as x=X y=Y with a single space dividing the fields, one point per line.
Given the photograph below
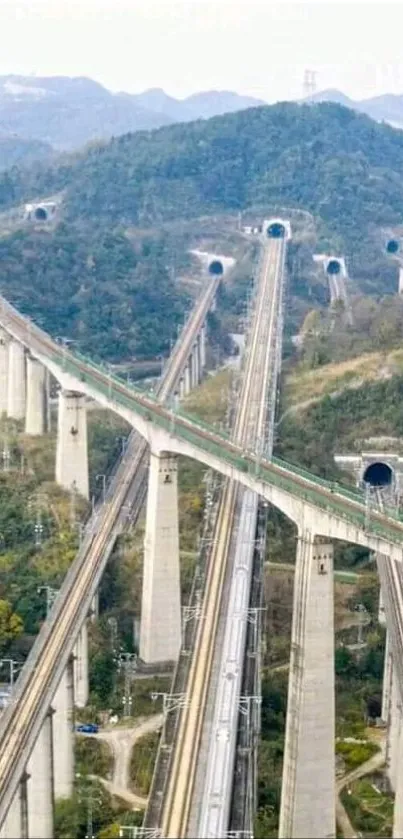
x=40 y=784
x=202 y=346
x=63 y=735
x=36 y=413
x=16 y=390
x=187 y=379
x=4 y=362
x=195 y=366
x=81 y=684
x=11 y=827
x=387 y=681
x=309 y=784
x=398 y=808
x=160 y=628
x=72 y=450
x=394 y=734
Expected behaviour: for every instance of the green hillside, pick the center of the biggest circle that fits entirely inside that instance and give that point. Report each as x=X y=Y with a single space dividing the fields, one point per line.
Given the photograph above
x=339 y=164
x=87 y=281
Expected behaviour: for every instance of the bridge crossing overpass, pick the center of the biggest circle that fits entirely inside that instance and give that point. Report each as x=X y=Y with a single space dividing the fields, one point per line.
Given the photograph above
x=318 y=507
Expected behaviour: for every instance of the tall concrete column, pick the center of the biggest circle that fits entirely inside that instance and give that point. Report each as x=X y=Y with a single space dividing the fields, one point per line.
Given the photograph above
x=394 y=733
x=4 y=362
x=387 y=681
x=40 y=785
x=71 y=450
x=35 y=418
x=81 y=686
x=202 y=340
x=195 y=366
x=308 y=789
x=160 y=630
x=182 y=388
x=11 y=827
x=188 y=379
x=16 y=392
x=63 y=735
x=398 y=808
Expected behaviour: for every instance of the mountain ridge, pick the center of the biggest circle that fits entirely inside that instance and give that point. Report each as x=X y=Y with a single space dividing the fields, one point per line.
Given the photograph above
x=68 y=112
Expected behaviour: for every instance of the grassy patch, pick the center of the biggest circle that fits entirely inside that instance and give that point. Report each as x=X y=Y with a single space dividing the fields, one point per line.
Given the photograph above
x=370 y=811
x=142 y=763
x=302 y=385
x=354 y=754
x=93 y=757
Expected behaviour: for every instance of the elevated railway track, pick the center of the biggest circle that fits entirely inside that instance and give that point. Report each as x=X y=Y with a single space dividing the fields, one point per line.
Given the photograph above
x=201 y=807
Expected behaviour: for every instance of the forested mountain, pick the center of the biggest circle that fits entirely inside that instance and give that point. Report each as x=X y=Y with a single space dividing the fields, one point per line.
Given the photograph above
x=69 y=112
x=15 y=151
x=93 y=286
x=388 y=107
x=325 y=158
x=344 y=168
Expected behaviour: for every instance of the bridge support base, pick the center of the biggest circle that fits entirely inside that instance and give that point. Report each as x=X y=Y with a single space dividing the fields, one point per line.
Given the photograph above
x=16 y=393
x=202 y=345
x=4 y=362
x=81 y=687
x=71 y=451
x=160 y=630
x=309 y=762
x=63 y=734
x=12 y=824
x=35 y=419
x=40 y=785
x=187 y=379
x=394 y=735
x=398 y=809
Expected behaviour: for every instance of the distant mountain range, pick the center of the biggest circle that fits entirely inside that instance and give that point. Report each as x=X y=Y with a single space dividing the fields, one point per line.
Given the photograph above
x=385 y=108
x=69 y=112
x=40 y=115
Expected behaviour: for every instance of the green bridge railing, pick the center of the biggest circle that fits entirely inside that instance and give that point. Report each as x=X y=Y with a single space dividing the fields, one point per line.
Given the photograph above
x=299 y=482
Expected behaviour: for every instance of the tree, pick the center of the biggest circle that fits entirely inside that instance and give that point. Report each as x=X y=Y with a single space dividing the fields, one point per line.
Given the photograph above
x=11 y=625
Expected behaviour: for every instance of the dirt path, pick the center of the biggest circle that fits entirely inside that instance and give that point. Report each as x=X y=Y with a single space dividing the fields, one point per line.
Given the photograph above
x=121 y=742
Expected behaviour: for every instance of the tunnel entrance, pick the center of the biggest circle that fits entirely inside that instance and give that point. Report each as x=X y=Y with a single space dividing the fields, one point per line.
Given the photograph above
x=41 y=214
x=392 y=246
x=333 y=266
x=216 y=267
x=378 y=475
x=276 y=230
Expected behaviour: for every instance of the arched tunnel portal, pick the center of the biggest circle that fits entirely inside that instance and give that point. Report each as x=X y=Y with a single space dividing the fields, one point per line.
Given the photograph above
x=392 y=246
x=276 y=230
x=216 y=267
x=41 y=214
x=378 y=474
x=333 y=266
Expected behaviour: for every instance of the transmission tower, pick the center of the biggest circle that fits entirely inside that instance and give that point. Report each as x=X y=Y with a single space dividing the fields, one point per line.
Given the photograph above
x=309 y=83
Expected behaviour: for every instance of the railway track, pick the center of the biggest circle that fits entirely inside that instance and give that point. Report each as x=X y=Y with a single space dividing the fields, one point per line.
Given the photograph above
x=127 y=492
x=249 y=425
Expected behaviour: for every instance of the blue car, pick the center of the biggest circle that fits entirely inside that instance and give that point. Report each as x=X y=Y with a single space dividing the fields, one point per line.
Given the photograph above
x=87 y=728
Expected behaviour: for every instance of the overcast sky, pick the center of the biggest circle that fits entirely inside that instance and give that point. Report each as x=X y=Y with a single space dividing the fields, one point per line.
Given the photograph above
x=260 y=47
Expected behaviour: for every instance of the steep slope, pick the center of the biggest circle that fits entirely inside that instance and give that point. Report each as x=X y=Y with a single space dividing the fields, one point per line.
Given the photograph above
x=14 y=151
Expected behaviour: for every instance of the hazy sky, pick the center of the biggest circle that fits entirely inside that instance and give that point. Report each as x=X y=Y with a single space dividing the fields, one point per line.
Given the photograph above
x=258 y=47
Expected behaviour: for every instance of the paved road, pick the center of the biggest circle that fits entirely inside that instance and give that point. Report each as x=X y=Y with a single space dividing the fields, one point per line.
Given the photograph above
x=121 y=742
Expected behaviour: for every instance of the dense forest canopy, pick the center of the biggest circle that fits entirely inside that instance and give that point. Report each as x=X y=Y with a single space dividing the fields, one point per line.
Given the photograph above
x=93 y=286
x=339 y=164
x=86 y=280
